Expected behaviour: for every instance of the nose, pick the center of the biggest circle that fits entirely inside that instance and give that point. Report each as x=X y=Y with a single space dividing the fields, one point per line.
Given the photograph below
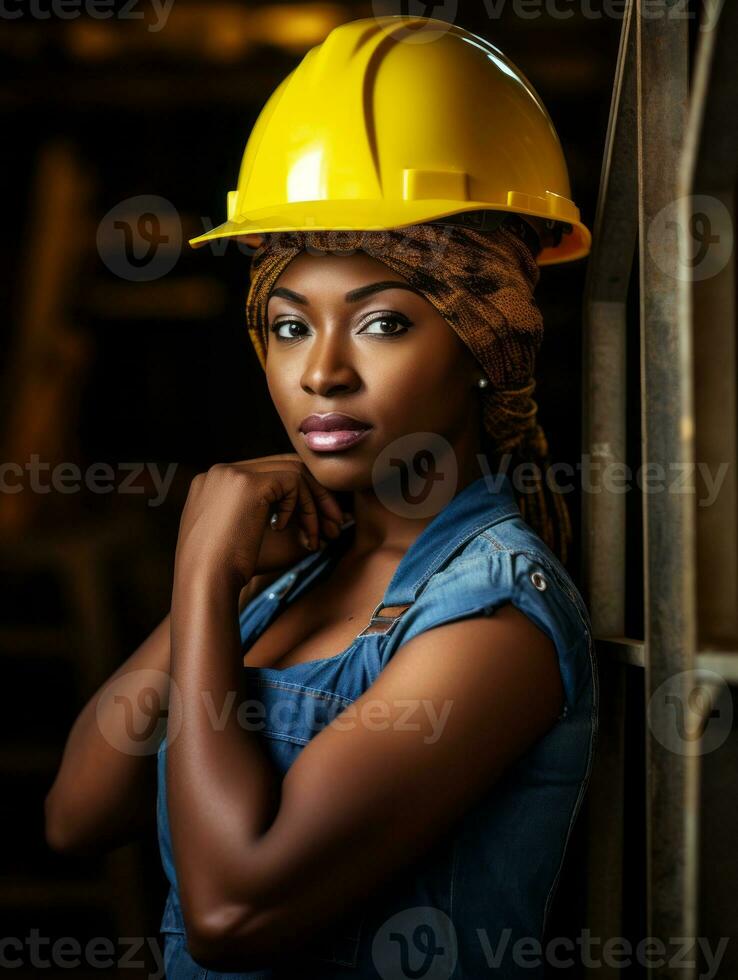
x=328 y=369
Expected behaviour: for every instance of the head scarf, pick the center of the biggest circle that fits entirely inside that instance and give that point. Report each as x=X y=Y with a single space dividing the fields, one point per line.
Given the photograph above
x=482 y=283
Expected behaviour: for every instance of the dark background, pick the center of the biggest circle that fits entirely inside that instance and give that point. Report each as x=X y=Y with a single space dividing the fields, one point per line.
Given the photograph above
x=97 y=368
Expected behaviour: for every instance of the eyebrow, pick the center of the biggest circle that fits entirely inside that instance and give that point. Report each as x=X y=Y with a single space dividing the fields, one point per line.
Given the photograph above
x=351 y=297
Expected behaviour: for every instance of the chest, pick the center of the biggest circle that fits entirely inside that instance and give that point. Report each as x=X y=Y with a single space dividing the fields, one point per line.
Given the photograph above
x=324 y=619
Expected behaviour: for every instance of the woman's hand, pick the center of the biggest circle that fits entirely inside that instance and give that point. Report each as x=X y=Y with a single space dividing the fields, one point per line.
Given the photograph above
x=225 y=527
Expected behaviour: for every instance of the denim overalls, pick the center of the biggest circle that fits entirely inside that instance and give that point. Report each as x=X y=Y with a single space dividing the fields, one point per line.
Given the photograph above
x=477 y=903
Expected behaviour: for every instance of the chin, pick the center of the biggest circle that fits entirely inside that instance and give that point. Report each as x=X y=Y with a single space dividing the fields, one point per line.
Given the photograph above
x=339 y=471
x=338 y=475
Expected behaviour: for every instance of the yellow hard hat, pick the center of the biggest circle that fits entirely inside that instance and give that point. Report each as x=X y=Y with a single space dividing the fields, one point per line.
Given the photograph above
x=384 y=125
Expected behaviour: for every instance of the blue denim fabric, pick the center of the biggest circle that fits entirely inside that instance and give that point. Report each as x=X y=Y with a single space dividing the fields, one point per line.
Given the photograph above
x=458 y=913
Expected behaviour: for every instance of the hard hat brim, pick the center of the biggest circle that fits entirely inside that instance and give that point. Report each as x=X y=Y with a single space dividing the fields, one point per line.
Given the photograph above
x=355 y=215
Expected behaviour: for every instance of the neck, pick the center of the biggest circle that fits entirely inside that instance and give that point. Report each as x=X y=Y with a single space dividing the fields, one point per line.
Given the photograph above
x=379 y=526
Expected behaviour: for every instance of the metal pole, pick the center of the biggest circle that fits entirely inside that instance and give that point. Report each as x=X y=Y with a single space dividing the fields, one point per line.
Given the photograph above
x=668 y=517
x=603 y=513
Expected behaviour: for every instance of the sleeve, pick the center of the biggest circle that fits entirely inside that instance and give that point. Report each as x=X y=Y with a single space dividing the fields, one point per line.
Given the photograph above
x=531 y=582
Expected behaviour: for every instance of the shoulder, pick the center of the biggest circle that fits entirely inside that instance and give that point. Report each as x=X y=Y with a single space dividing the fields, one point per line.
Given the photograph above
x=507 y=563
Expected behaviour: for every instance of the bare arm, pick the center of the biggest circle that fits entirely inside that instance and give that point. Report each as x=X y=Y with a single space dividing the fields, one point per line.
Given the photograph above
x=105 y=791
x=247 y=847
x=104 y=796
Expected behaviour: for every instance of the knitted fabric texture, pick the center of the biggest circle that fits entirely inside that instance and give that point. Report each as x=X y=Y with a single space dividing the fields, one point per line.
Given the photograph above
x=482 y=283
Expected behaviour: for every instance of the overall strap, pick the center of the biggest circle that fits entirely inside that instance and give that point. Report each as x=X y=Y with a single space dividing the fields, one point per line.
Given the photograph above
x=473 y=510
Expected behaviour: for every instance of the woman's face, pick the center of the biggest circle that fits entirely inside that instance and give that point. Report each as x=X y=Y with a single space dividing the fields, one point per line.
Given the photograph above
x=346 y=337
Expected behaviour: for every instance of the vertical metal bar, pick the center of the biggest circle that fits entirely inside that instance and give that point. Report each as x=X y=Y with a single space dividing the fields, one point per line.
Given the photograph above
x=604 y=339
x=668 y=436
x=709 y=164
x=709 y=167
x=603 y=512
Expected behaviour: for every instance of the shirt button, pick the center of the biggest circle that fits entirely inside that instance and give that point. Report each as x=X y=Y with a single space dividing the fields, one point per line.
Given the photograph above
x=539 y=581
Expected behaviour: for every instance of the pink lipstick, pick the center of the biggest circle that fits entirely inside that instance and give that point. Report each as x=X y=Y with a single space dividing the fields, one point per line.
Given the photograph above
x=333 y=432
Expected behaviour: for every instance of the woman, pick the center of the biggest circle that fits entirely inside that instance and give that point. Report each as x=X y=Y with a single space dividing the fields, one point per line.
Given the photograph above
x=383 y=723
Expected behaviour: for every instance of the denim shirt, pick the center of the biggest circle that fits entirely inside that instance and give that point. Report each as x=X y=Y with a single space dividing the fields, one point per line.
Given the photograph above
x=478 y=901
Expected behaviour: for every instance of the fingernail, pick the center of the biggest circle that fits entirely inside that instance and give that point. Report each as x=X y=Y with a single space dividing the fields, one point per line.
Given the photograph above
x=304 y=540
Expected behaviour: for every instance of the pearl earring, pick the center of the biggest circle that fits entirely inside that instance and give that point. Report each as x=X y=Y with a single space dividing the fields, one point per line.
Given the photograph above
x=483 y=382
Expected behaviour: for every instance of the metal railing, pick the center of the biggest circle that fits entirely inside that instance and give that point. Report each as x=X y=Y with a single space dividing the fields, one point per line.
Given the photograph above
x=666 y=148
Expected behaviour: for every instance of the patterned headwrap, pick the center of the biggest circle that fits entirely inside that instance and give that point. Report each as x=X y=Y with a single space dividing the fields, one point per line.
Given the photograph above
x=482 y=283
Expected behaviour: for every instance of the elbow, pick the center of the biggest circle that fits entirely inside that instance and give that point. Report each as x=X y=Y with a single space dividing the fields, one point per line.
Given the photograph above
x=62 y=832
x=232 y=940
x=56 y=829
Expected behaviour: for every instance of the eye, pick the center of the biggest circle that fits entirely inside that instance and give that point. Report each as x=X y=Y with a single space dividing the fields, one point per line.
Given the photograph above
x=384 y=319
x=276 y=329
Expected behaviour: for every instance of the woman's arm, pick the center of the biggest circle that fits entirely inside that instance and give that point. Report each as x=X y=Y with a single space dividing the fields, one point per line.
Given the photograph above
x=259 y=858
x=371 y=792
x=103 y=797
x=104 y=793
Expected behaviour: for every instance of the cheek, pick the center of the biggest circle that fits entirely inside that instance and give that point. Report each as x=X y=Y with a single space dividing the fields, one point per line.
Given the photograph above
x=417 y=372
x=281 y=383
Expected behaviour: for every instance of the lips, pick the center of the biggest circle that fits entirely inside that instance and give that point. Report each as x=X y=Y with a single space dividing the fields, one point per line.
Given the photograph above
x=333 y=431
x=330 y=422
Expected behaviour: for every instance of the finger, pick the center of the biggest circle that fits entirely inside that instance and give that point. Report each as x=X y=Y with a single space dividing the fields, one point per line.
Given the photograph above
x=309 y=514
x=298 y=508
x=327 y=503
x=329 y=512
x=284 y=507
x=325 y=499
